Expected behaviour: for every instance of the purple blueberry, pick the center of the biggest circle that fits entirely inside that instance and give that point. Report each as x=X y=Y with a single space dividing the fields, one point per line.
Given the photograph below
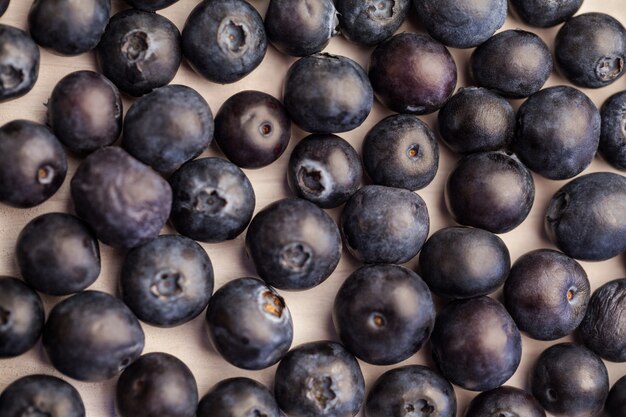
x=615 y=404
x=372 y=21
x=150 y=5
x=21 y=318
x=504 y=401
x=4 y=5
x=542 y=13
x=19 y=60
x=238 y=397
x=612 y=145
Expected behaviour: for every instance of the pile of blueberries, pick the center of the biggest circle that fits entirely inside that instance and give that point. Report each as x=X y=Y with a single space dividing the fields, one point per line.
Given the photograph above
x=124 y=194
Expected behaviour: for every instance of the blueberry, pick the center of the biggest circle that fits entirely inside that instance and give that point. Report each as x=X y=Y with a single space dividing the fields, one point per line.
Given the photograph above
x=547 y=294
x=504 y=401
x=401 y=151
x=319 y=379
x=92 y=336
x=68 y=27
x=585 y=218
x=411 y=390
x=476 y=344
x=541 y=13
x=326 y=93
x=224 y=40
x=324 y=169
x=85 y=111
x=213 y=200
x=168 y=127
x=58 y=254
x=249 y=324
x=238 y=397
x=4 y=5
x=294 y=244
x=139 y=51
x=150 y=5
x=464 y=262
x=612 y=145
x=41 y=395
x=33 y=164
x=301 y=27
x=156 y=384
x=252 y=128
x=167 y=281
x=379 y=303
x=590 y=49
x=19 y=62
x=570 y=380
x=615 y=404
x=21 y=318
x=557 y=132
x=372 y=21
x=412 y=73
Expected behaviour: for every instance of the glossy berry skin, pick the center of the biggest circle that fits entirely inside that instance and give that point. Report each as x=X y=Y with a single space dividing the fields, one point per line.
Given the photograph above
x=590 y=50
x=324 y=169
x=92 y=336
x=570 y=380
x=213 y=200
x=464 y=262
x=326 y=93
x=249 y=324
x=168 y=127
x=33 y=164
x=150 y=5
x=412 y=73
x=319 y=379
x=20 y=57
x=541 y=13
x=139 y=51
x=371 y=22
x=43 y=395
x=547 y=294
x=603 y=330
x=68 y=27
x=379 y=303
x=490 y=190
x=411 y=389
x=238 y=397
x=224 y=40
x=167 y=281
x=612 y=145
x=58 y=254
x=156 y=384
x=401 y=151
x=294 y=244
x=585 y=218
x=504 y=401
x=301 y=27
x=615 y=405
x=476 y=344
x=21 y=318
x=252 y=129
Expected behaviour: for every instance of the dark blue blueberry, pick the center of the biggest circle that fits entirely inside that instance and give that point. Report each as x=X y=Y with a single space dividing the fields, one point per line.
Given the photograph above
x=542 y=13
x=301 y=27
x=21 y=318
x=224 y=40
x=476 y=344
x=464 y=262
x=139 y=51
x=157 y=384
x=590 y=49
x=4 y=5
x=238 y=397
x=490 y=190
x=150 y=5
x=401 y=151
x=167 y=281
x=570 y=380
x=615 y=404
x=58 y=254
x=504 y=401
x=547 y=294
x=213 y=200
x=92 y=336
x=324 y=169
x=381 y=303
x=294 y=244
x=612 y=145
x=384 y=224
x=412 y=73
x=319 y=379
x=370 y=22
x=124 y=201
x=32 y=163
x=168 y=127
x=68 y=27
x=586 y=217
x=19 y=62
x=249 y=324
x=326 y=93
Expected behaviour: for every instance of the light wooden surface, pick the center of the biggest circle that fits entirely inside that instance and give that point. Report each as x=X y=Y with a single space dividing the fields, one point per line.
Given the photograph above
x=310 y=309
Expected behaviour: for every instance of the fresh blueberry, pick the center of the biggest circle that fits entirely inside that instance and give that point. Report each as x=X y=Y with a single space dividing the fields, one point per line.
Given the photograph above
x=167 y=281
x=249 y=324
x=615 y=404
x=401 y=151
x=19 y=62
x=238 y=397
x=4 y=5
x=542 y=13
x=150 y=5
x=21 y=318
x=372 y=21
x=324 y=169
x=213 y=200
x=504 y=401
x=612 y=145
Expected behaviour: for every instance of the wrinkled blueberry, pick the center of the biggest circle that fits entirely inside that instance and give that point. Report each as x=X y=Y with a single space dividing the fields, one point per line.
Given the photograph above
x=615 y=404
x=238 y=397
x=150 y=5
x=19 y=62
x=542 y=13
x=504 y=401
x=372 y=21
x=21 y=318
x=612 y=145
